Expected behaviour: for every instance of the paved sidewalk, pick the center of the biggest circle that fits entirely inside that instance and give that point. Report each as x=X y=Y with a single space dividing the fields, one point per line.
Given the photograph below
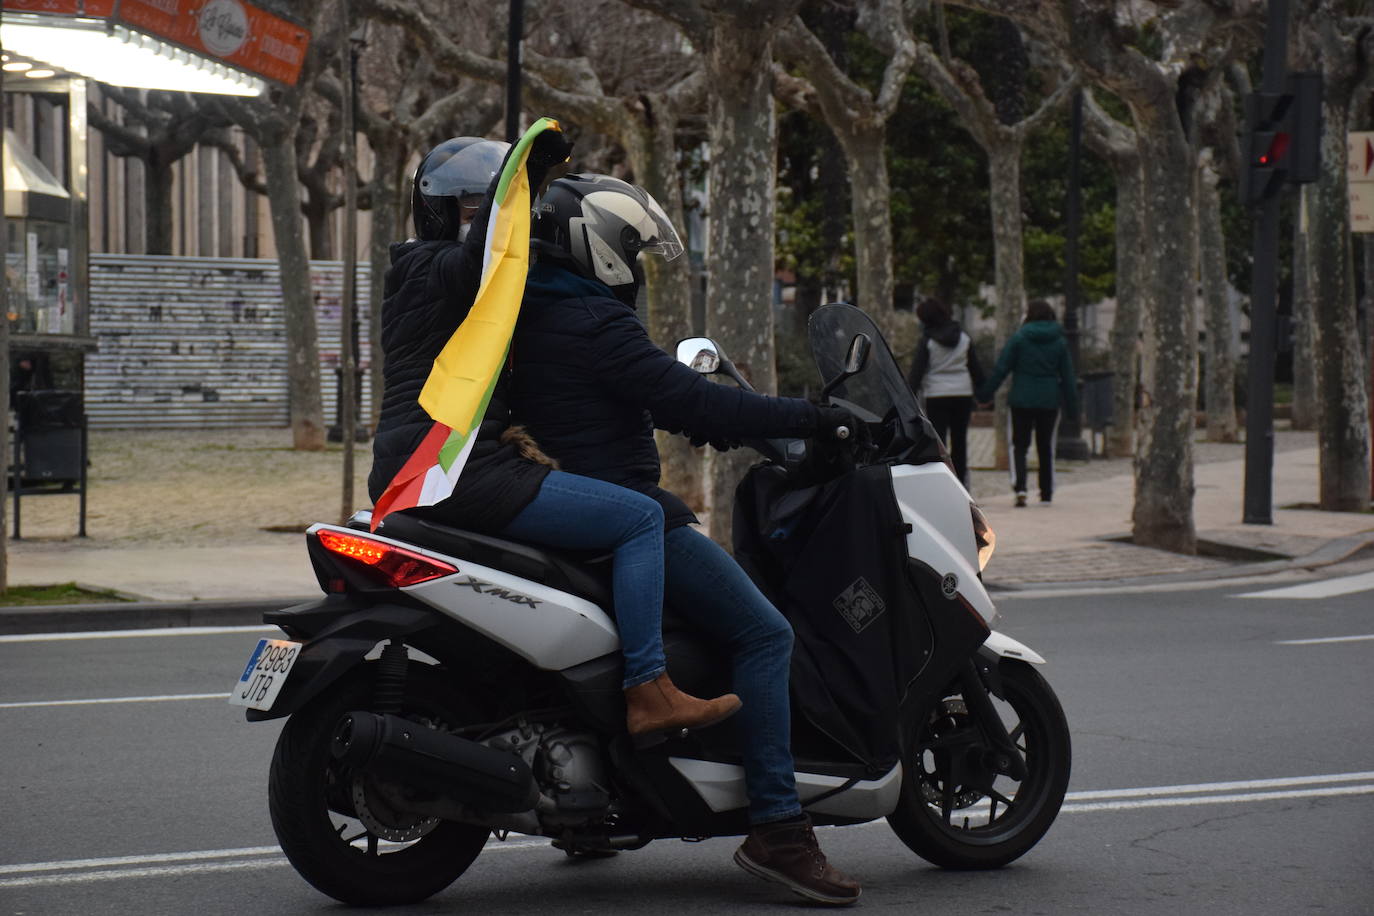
x=161 y=532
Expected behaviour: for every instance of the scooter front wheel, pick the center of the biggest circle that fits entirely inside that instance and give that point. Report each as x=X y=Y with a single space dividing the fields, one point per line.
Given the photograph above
x=323 y=813
x=958 y=808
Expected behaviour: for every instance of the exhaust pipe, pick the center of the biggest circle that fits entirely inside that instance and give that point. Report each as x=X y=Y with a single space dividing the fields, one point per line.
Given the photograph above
x=450 y=766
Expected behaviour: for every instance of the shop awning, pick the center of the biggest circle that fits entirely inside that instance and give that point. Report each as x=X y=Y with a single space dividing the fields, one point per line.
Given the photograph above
x=214 y=46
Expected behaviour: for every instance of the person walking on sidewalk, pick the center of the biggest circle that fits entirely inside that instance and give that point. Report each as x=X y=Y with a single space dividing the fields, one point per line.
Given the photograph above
x=944 y=374
x=1042 y=381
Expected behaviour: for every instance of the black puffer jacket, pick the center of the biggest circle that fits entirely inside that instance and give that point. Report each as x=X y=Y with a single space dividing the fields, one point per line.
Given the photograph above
x=591 y=386
x=429 y=289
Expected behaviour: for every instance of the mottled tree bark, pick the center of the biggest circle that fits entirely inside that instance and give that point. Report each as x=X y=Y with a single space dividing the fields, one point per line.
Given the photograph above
x=1116 y=143
x=739 y=291
x=1304 y=407
x=302 y=340
x=1342 y=402
x=1004 y=192
x=158 y=181
x=1163 y=511
x=1220 y=352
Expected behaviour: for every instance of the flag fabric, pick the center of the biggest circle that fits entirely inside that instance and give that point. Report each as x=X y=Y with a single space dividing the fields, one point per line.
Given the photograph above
x=465 y=373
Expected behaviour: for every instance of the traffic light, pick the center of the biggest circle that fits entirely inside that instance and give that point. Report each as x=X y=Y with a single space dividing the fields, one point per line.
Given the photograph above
x=1283 y=137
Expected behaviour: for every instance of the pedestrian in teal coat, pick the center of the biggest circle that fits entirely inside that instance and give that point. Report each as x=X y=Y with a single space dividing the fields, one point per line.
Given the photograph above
x=1042 y=381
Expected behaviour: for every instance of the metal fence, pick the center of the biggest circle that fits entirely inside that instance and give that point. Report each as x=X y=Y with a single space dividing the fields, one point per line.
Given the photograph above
x=200 y=342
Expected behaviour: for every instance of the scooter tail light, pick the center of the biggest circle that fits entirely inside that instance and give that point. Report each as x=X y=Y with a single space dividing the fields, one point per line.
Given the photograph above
x=386 y=563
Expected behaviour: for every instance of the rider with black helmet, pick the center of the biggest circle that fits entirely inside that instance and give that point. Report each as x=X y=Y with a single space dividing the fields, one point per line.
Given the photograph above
x=508 y=486
x=591 y=386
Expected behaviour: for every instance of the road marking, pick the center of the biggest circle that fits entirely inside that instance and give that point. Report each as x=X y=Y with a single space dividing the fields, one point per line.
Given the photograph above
x=1191 y=788
x=1324 y=639
x=209 y=861
x=1327 y=588
x=132 y=634
x=177 y=864
x=170 y=698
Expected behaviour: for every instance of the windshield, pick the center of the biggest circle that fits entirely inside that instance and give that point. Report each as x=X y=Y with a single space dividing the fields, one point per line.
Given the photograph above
x=879 y=392
x=880 y=386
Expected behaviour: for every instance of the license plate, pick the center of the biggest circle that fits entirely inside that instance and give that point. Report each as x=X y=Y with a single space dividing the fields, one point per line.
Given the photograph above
x=265 y=673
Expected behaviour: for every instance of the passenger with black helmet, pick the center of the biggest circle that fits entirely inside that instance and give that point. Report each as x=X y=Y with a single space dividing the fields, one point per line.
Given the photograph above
x=508 y=486
x=591 y=386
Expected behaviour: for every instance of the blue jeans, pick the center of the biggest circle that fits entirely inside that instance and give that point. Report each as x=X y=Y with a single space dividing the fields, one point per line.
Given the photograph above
x=584 y=514
x=711 y=590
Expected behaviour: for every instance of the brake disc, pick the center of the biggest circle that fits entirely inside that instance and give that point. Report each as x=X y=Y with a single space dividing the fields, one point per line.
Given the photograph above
x=382 y=820
x=951 y=716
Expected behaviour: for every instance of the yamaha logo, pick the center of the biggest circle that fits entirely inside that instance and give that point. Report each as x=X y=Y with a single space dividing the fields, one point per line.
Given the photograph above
x=223 y=26
x=950 y=585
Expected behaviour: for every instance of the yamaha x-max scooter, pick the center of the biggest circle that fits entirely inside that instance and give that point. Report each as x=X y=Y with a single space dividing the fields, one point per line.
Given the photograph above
x=451 y=685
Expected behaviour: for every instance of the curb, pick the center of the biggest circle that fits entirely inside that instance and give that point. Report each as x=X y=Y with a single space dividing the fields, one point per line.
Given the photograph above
x=1332 y=552
x=76 y=618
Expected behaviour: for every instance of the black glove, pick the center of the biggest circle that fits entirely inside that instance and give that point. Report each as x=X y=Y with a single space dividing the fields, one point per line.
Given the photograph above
x=719 y=443
x=832 y=419
x=548 y=159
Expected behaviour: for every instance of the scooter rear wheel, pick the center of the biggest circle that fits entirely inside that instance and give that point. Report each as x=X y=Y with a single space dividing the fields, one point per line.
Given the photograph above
x=311 y=798
x=956 y=810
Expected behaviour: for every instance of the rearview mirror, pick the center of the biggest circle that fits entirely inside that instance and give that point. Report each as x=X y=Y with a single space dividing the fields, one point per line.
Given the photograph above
x=699 y=354
x=857 y=357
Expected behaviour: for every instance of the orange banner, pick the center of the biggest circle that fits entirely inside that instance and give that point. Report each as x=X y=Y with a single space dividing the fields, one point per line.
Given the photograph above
x=235 y=32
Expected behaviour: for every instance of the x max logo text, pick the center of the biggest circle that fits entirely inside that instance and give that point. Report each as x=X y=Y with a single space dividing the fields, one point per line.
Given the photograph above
x=486 y=588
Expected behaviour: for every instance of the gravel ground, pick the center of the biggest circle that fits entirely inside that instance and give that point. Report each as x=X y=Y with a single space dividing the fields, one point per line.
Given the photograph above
x=200 y=487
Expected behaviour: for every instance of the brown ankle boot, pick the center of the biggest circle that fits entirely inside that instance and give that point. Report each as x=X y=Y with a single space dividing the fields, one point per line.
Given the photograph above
x=658 y=705
x=787 y=852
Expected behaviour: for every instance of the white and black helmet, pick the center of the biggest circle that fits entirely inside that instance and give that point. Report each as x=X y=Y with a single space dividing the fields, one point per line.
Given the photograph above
x=596 y=226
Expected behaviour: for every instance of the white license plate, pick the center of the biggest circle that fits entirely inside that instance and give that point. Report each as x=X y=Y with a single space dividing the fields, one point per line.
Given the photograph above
x=265 y=673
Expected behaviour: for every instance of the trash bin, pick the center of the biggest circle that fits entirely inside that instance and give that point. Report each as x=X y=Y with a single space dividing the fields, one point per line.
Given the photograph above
x=49 y=434
x=1097 y=400
x=49 y=449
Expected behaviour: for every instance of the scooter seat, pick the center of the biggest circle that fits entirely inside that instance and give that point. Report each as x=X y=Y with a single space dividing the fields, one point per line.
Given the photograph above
x=585 y=574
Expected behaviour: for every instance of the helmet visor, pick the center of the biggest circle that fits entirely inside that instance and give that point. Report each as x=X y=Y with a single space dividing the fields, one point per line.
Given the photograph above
x=663 y=238
x=468 y=171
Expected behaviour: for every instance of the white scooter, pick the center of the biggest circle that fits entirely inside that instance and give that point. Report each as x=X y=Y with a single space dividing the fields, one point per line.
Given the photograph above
x=453 y=684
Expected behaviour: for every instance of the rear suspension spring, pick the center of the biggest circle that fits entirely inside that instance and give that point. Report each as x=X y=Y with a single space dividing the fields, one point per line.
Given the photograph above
x=390 y=687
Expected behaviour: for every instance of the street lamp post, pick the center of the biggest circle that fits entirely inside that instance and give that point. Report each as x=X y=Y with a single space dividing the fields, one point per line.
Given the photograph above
x=513 y=37
x=1070 y=442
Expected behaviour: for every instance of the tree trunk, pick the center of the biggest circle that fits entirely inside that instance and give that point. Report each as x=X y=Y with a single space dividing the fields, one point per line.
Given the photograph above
x=302 y=342
x=871 y=209
x=1125 y=337
x=1342 y=403
x=1163 y=512
x=317 y=218
x=1004 y=198
x=157 y=206
x=652 y=153
x=739 y=306
x=1304 y=407
x=1220 y=366
x=387 y=227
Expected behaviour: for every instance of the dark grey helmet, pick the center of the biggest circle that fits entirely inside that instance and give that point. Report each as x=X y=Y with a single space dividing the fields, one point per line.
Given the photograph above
x=596 y=226
x=457 y=168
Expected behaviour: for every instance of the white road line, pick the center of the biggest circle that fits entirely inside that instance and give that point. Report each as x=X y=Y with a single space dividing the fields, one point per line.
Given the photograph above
x=1191 y=788
x=209 y=861
x=1326 y=792
x=1320 y=641
x=132 y=634
x=254 y=857
x=170 y=698
x=1327 y=588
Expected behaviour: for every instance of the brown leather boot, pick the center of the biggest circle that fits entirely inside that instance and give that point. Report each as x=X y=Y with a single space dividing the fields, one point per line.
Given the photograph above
x=787 y=852
x=658 y=706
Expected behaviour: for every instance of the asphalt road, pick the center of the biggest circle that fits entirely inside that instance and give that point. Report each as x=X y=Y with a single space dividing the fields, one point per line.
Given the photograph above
x=1224 y=764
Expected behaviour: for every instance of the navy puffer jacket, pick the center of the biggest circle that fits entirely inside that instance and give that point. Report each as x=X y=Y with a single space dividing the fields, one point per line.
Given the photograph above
x=429 y=290
x=591 y=386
